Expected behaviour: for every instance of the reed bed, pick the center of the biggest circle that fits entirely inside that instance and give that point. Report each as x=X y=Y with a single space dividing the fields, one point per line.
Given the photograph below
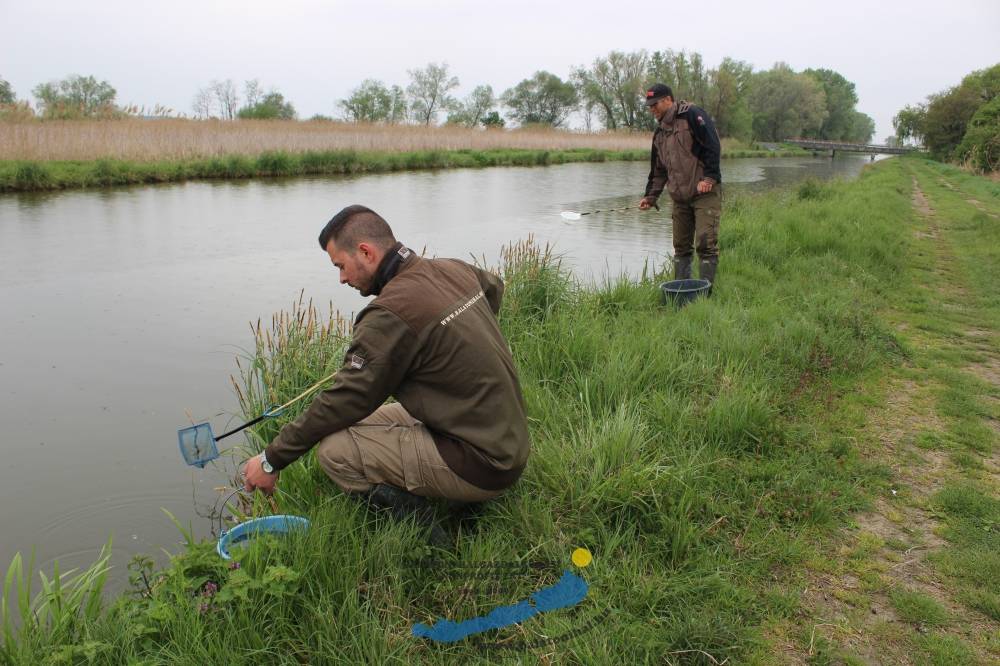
x=177 y=139
x=57 y=155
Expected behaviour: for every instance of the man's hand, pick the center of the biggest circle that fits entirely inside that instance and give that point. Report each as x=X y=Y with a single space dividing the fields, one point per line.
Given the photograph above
x=646 y=203
x=257 y=478
x=705 y=185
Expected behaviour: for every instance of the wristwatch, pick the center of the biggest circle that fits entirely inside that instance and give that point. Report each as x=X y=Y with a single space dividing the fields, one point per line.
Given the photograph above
x=264 y=465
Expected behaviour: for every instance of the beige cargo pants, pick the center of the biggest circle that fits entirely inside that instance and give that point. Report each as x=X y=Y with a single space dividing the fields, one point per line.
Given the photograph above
x=392 y=447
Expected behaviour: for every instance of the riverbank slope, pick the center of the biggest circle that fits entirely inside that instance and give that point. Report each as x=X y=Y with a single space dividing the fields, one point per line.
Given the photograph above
x=708 y=458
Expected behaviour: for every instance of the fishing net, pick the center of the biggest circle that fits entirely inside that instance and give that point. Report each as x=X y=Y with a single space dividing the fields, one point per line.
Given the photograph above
x=198 y=444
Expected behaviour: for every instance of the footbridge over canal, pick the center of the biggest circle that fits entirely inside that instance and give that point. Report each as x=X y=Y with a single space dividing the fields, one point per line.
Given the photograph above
x=834 y=146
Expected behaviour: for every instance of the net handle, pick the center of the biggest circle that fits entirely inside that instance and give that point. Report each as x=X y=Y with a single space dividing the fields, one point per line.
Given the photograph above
x=276 y=410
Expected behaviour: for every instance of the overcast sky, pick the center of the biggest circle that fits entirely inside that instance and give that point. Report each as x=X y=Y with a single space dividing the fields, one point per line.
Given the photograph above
x=316 y=51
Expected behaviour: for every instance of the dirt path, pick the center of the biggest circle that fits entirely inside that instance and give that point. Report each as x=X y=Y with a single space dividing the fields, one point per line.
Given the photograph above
x=881 y=597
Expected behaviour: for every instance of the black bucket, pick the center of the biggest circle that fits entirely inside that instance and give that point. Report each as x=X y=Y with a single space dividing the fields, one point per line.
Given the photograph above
x=682 y=292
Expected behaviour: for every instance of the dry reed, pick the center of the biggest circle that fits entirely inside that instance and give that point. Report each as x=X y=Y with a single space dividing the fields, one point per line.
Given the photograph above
x=175 y=139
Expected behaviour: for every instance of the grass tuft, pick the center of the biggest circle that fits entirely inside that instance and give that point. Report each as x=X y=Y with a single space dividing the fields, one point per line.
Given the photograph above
x=918 y=608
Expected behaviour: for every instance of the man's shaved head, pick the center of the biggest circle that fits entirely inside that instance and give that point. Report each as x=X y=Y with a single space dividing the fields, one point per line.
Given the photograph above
x=357 y=224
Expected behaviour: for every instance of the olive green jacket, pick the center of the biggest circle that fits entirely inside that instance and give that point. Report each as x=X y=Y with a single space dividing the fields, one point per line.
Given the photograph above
x=430 y=339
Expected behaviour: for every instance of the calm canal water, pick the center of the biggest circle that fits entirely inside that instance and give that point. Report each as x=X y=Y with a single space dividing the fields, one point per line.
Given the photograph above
x=124 y=309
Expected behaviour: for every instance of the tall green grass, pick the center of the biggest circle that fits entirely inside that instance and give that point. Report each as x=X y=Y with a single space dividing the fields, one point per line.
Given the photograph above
x=684 y=448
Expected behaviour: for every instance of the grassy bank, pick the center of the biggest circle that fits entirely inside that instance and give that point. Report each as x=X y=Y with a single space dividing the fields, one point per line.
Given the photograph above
x=690 y=451
x=53 y=155
x=29 y=176
x=37 y=176
x=915 y=578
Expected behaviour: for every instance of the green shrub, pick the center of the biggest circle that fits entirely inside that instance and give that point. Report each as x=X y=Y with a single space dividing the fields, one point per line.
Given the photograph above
x=981 y=144
x=32 y=176
x=276 y=163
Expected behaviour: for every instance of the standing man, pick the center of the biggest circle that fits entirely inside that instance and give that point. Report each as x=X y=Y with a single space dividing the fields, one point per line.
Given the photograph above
x=685 y=159
x=430 y=338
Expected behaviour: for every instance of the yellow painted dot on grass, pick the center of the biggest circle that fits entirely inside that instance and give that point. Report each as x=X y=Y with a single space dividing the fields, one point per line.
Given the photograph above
x=582 y=557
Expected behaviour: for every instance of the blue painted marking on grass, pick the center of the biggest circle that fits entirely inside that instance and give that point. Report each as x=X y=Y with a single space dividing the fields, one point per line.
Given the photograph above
x=569 y=591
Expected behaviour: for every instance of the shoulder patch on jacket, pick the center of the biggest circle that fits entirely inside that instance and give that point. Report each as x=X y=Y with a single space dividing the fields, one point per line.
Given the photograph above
x=683 y=107
x=357 y=361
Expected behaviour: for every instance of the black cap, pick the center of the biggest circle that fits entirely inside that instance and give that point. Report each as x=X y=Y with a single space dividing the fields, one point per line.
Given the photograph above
x=657 y=92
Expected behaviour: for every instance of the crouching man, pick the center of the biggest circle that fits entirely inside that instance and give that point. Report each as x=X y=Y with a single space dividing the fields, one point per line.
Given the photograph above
x=430 y=339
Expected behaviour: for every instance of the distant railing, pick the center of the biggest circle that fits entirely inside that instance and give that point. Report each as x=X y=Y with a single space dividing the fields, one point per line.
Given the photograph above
x=834 y=146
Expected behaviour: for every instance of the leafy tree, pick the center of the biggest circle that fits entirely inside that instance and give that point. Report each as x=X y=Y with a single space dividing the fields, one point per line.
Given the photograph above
x=429 y=91
x=614 y=85
x=784 y=104
x=728 y=92
x=981 y=144
x=492 y=119
x=373 y=102
x=862 y=128
x=909 y=123
x=685 y=74
x=543 y=99
x=840 y=122
x=948 y=116
x=944 y=122
x=474 y=108
x=76 y=96
x=6 y=93
x=984 y=82
x=272 y=106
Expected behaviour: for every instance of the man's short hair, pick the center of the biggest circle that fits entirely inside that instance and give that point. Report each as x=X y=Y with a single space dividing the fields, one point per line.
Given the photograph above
x=356 y=224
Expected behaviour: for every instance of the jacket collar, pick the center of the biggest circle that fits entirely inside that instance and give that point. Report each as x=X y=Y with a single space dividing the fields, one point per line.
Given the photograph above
x=669 y=116
x=397 y=256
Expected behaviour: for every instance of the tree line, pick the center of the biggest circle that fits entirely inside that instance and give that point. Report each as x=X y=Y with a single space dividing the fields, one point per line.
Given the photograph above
x=769 y=105
x=960 y=124
x=766 y=105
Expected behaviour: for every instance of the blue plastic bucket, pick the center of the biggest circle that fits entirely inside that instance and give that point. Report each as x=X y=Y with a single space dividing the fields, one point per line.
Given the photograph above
x=682 y=292
x=279 y=524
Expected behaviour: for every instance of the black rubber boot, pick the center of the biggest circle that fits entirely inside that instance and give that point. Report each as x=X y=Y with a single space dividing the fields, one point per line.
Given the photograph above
x=402 y=505
x=682 y=268
x=706 y=271
x=465 y=515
